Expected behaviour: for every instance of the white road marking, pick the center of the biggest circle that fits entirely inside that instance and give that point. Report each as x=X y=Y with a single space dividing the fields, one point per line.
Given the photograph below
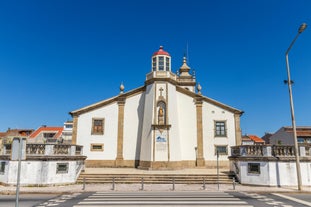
x=293 y=199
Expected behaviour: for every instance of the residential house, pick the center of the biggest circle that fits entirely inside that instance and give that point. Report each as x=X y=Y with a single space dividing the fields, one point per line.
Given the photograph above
x=67 y=132
x=46 y=134
x=285 y=135
x=252 y=140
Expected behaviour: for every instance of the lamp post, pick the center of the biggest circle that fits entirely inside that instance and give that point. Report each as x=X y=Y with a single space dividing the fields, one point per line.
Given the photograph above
x=290 y=82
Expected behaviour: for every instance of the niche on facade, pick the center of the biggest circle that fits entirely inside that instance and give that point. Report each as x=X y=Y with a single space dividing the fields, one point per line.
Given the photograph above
x=161 y=111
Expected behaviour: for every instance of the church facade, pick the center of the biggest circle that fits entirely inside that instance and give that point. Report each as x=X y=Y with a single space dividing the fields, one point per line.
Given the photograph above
x=165 y=124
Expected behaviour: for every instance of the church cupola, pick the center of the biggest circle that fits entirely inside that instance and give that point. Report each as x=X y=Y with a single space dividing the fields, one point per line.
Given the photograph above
x=161 y=60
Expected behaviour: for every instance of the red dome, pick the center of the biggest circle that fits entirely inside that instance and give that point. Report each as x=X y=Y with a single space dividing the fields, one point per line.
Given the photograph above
x=161 y=52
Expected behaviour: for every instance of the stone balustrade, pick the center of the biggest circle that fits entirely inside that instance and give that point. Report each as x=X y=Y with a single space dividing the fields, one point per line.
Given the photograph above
x=47 y=149
x=270 y=150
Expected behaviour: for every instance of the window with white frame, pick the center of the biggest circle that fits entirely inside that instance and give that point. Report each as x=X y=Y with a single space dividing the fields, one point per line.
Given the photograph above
x=161 y=63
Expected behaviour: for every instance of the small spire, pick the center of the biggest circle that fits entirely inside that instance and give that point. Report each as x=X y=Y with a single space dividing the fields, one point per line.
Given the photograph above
x=184 y=69
x=121 y=88
x=184 y=59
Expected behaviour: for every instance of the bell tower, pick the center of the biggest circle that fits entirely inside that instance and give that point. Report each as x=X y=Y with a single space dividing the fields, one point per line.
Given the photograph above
x=161 y=60
x=160 y=123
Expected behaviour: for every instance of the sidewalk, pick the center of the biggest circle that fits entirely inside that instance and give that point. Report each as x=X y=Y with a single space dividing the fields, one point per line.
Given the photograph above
x=61 y=189
x=147 y=187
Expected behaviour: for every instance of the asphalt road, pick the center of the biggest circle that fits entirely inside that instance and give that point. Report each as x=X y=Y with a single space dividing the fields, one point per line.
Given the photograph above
x=169 y=199
x=25 y=200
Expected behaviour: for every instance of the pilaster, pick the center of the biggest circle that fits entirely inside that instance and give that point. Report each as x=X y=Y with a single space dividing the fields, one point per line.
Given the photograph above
x=238 y=133
x=119 y=158
x=200 y=158
x=74 y=129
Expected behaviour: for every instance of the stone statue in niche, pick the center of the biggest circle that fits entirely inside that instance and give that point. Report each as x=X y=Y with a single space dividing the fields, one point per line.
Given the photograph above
x=161 y=116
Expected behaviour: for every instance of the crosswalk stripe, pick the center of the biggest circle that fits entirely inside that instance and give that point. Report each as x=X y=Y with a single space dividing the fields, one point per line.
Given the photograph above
x=164 y=205
x=163 y=199
x=159 y=202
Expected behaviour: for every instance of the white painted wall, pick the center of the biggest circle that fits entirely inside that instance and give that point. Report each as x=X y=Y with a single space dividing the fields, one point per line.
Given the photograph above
x=147 y=135
x=109 y=138
x=273 y=173
x=173 y=117
x=40 y=172
x=187 y=126
x=213 y=113
x=133 y=122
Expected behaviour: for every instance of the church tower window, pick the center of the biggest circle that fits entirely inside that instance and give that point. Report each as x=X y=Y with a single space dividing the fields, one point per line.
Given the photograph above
x=161 y=63
x=161 y=60
x=167 y=68
x=154 y=64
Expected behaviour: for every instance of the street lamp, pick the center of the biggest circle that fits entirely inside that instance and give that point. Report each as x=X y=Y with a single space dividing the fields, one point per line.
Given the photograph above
x=290 y=82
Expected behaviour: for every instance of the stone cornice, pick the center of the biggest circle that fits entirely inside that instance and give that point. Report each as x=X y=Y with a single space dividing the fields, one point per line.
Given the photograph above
x=199 y=97
x=119 y=98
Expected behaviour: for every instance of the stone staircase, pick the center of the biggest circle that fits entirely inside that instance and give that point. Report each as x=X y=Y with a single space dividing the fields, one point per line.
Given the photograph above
x=223 y=178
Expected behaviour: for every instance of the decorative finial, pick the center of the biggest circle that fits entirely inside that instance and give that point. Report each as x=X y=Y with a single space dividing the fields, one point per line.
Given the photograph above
x=161 y=47
x=199 y=88
x=121 y=88
x=184 y=59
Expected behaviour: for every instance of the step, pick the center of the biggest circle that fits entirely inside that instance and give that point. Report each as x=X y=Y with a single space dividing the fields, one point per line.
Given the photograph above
x=155 y=178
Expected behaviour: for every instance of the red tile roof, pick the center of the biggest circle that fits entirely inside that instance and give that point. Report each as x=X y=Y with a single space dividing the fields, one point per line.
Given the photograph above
x=59 y=131
x=161 y=52
x=256 y=139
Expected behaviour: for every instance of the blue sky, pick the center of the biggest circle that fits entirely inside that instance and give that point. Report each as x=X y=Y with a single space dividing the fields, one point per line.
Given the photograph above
x=58 y=56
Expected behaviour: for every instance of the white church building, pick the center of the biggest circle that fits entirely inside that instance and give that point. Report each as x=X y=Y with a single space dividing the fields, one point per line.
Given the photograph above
x=165 y=124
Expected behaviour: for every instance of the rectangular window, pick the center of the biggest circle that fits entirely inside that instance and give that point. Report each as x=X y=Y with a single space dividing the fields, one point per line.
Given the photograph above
x=2 y=167
x=68 y=126
x=167 y=64
x=154 y=64
x=49 y=135
x=222 y=150
x=61 y=168
x=97 y=147
x=300 y=140
x=253 y=168
x=98 y=126
x=220 y=129
x=161 y=63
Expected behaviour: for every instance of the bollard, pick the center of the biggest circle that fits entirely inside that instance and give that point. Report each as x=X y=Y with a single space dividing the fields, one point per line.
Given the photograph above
x=204 y=186
x=233 y=183
x=113 y=183
x=142 y=184
x=83 y=188
x=173 y=184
